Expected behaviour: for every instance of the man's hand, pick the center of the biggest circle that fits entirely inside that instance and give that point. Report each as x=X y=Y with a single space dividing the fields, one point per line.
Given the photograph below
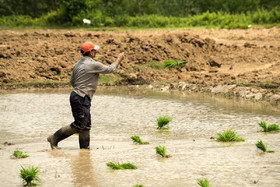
x=120 y=58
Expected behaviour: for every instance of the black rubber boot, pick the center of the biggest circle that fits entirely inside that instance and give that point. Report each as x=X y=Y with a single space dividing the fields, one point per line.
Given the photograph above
x=84 y=139
x=61 y=134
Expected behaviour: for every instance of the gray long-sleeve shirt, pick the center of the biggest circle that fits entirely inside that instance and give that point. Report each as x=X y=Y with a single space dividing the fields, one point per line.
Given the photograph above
x=85 y=75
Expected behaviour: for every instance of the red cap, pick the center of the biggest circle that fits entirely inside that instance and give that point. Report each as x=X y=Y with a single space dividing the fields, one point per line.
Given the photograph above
x=88 y=46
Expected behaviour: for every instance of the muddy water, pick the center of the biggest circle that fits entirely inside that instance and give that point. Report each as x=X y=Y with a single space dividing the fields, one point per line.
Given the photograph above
x=27 y=118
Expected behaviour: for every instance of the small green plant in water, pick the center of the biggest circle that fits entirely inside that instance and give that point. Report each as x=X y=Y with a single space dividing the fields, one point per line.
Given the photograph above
x=172 y=64
x=268 y=128
x=163 y=121
x=30 y=176
x=121 y=166
x=203 y=182
x=161 y=150
x=138 y=185
x=137 y=140
x=19 y=154
x=229 y=136
x=263 y=147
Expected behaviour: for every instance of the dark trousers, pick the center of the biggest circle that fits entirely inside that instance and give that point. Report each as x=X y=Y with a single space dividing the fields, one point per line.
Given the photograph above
x=81 y=111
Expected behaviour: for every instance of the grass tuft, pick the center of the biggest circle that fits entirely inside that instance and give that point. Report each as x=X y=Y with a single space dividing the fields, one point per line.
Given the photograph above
x=121 y=166
x=172 y=64
x=268 y=128
x=229 y=136
x=19 y=154
x=263 y=147
x=156 y=65
x=137 y=140
x=161 y=150
x=203 y=182
x=163 y=121
x=30 y=176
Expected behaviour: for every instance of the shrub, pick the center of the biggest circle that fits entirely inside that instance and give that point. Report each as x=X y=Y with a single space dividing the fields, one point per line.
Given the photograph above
x=137 y=140
x=163 y=121
x=121 y=166
x=30 y=175
x=229 y=136
x=262 y=146
x=268 y=128
x=203 y=182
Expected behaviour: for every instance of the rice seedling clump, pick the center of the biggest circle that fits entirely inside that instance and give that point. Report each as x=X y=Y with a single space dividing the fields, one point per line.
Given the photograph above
x=161 y=150
x=229 y=136
x=30 y=176
x=19 y=154
x=138 y=185
x=263 y=147
x=163 y=122
x=121 y=166
x=269 y=128
x=203 y=182
x=137 y=140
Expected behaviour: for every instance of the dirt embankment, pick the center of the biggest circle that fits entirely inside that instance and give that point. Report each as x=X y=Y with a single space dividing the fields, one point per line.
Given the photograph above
x=244 y=63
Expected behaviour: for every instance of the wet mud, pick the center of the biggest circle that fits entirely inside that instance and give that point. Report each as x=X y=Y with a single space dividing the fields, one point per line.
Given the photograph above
x=28 y=118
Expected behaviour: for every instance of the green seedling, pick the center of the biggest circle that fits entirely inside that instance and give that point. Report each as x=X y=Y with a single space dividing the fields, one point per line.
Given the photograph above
x=268 y=128
x=161 y=150
x=138 y=185
x=203 y=182
x=263 y=147
x=229 y=136
x=163 y=121
x=172 y=64
x=137 y=140
x=19 y=154
x=30 y=176
x=121 y=166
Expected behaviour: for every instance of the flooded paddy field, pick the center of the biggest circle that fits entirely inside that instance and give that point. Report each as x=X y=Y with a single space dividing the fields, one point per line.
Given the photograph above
x=29 y=117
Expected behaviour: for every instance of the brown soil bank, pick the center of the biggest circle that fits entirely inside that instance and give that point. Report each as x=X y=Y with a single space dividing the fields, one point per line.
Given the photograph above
x=243 y=63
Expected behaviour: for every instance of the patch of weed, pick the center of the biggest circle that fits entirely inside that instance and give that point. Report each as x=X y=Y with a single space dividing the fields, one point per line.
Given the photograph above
x=229 y=136
x=173 y=63
x=156 y=65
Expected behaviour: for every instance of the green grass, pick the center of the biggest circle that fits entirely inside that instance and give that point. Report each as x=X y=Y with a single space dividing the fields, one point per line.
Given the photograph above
x=19 y=154
x=203 y=182
x=30 y=176
x=106 y=78
x=156 y=65
x=269 y=128
x=163 y=121
x=173 y=64
x=137 y=140
x=138 y=185
x=263 y=147
x=229 y=136
x=161 y=150
x=121 y=166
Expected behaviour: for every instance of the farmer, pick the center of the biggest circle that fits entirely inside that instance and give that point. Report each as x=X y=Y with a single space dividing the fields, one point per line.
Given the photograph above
x=84 y=80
